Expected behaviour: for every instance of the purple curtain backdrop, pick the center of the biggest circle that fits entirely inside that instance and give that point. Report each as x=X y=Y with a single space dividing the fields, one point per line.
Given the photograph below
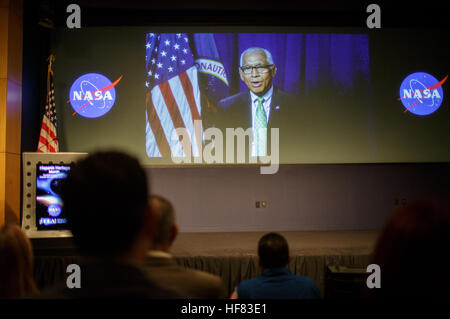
x=305 y=62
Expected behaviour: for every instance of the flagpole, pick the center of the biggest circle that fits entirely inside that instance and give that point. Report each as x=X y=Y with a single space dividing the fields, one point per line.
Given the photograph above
x=47 y=127
x=50 y=60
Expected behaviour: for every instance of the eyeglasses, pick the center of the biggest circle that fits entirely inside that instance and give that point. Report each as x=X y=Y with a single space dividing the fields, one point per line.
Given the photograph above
x=259 y=68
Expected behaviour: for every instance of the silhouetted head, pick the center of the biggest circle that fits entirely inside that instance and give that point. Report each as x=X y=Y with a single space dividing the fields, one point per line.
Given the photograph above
x=16 y=263
x=165 y=227
x=412 y=251
x=105 y=198
x=273 y=251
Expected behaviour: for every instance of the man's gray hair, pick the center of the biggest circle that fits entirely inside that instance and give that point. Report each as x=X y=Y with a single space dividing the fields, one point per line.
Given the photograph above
x=164 y=220
x=252 y=49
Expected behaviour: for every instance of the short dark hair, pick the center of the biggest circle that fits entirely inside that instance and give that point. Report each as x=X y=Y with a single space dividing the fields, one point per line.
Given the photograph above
x=164 y=220
x=273 y=251
x=105 y=199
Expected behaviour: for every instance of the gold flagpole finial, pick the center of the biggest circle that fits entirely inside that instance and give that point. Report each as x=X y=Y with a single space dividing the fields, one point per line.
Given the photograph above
x=51 y=59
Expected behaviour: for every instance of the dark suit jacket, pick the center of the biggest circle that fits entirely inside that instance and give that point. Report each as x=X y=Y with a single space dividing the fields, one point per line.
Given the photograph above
x=235 y=111
x=104 y=279
x=189 y=283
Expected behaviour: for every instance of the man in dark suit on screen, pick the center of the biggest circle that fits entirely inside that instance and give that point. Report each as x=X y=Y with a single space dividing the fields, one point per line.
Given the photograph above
x=264 y=106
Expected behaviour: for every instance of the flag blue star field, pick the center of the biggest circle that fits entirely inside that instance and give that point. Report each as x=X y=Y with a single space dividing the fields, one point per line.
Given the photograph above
x=173 y=96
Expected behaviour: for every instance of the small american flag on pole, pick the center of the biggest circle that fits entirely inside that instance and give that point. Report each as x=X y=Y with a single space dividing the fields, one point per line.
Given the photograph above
x=48 y=141
x=173 y=96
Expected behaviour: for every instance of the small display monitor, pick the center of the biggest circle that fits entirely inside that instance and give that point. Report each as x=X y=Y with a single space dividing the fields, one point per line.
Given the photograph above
x=49 y=206
x=43 y=213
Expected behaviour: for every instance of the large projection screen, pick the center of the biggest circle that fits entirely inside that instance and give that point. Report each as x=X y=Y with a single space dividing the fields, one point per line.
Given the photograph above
x=336 y=95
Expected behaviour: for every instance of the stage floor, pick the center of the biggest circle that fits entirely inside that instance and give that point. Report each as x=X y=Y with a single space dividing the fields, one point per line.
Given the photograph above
x=305 y=243
x=233 y=256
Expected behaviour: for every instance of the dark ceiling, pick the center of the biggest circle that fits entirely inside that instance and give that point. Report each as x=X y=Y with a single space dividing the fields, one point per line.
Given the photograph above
x=349 y=13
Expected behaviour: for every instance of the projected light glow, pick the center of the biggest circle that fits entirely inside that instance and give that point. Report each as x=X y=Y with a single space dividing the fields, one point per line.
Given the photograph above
x=92 y=95
x=421 y=93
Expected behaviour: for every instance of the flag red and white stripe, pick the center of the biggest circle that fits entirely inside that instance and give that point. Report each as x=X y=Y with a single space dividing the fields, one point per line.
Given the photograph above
x=48 y=141
x=173 y=100
x=173 y=104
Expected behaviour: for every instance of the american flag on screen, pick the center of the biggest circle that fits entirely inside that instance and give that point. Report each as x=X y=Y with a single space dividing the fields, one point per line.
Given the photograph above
x=48 y=141
x=173 y=96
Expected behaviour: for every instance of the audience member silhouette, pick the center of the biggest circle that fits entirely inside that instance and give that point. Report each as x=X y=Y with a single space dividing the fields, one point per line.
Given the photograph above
x=16 y=263
x=412 y=252
x=105 y=199
x=276 y=280
x=162 y=266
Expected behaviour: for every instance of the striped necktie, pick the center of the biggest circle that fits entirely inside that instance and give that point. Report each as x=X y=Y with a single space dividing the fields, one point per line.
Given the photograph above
x=260 y=128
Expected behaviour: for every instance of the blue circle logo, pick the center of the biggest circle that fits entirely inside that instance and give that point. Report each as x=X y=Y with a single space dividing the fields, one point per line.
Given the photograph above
x=54 y=210
x=92 y=95
x=421 y=93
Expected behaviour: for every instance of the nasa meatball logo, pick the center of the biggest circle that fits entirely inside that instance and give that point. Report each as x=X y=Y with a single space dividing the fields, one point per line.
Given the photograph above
x=92 y=95
x=421 y=93
x=54 y=210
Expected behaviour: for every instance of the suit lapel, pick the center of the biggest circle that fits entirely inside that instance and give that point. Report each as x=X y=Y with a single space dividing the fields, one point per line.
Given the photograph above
x=245 y=110
x=248 y=115
x=275 y=108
